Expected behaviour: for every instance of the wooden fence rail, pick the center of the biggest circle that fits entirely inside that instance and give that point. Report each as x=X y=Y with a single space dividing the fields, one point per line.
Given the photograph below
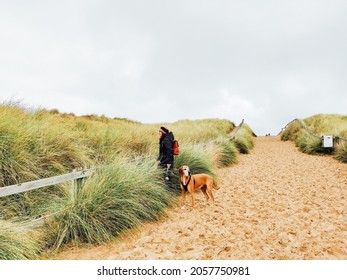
x=303 y=125
x=24 y=187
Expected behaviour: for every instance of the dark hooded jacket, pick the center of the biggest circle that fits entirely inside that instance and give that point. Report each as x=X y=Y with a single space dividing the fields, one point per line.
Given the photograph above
x=165 y=150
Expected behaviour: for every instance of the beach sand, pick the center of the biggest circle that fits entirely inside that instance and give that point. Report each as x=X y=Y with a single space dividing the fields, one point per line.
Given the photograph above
x=275 y=203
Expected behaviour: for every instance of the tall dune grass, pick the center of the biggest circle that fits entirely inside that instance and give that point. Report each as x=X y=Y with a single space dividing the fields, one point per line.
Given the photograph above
x=310 y=144
x=291 y=132
x=114 y=199
x=32 y=147
x=197 y=158
x=16 y=244
x=328 y=124
x=30 y=205
x=121 y=197
x=225 y=152
x=45 y=143
x=341 y=151
x=38 y=144
x=201 y=131
x=321 y=124
x=243 y=139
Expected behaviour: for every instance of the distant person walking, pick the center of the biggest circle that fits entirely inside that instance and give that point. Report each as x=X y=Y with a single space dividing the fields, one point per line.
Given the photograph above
x=166 y=156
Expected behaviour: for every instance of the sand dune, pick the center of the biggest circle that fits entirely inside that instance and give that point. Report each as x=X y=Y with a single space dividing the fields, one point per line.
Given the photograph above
x=275 y=203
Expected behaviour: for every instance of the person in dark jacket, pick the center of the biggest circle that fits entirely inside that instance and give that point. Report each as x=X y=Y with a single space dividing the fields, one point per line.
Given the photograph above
x=166 y=157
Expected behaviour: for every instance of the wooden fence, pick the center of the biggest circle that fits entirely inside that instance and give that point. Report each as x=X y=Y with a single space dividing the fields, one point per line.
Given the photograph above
x=337 y=139
x=24 y=187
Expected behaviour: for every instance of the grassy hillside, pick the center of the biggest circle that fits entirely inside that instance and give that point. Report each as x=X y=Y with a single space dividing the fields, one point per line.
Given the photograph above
x=309 y=140
x=46 y=143
x=40 y=144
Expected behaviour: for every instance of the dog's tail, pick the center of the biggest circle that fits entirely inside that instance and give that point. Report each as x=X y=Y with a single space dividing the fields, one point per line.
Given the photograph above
x=215 y=187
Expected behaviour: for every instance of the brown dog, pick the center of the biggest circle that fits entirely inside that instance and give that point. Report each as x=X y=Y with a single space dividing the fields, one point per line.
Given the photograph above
x=191 y=183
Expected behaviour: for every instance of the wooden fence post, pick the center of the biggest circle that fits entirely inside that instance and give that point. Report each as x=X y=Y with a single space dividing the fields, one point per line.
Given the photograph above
x=73 y=187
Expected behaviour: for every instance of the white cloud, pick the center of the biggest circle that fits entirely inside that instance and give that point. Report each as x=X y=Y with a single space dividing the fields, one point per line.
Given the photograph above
x=232 y=106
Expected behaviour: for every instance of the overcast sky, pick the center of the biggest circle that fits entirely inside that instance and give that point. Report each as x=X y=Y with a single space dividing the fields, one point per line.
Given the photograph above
x=267 y=62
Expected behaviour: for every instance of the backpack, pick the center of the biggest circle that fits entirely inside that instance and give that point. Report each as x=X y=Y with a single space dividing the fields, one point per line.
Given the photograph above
x=175 y=148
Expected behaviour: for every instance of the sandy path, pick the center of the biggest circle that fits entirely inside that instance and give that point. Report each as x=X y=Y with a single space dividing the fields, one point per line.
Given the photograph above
x=276 y=203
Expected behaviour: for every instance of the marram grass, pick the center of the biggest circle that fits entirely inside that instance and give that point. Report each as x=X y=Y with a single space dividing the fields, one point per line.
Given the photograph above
x=224 y=151
x=199 y=161
x=309 y=144
x=321 y=124
x=291 y=132
x=243 y=140
x=114 y=199
x=16 y=244
x=124 y=195
x=341 y=151
x=43 y=143
x=39 y=144
x=328 y=124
